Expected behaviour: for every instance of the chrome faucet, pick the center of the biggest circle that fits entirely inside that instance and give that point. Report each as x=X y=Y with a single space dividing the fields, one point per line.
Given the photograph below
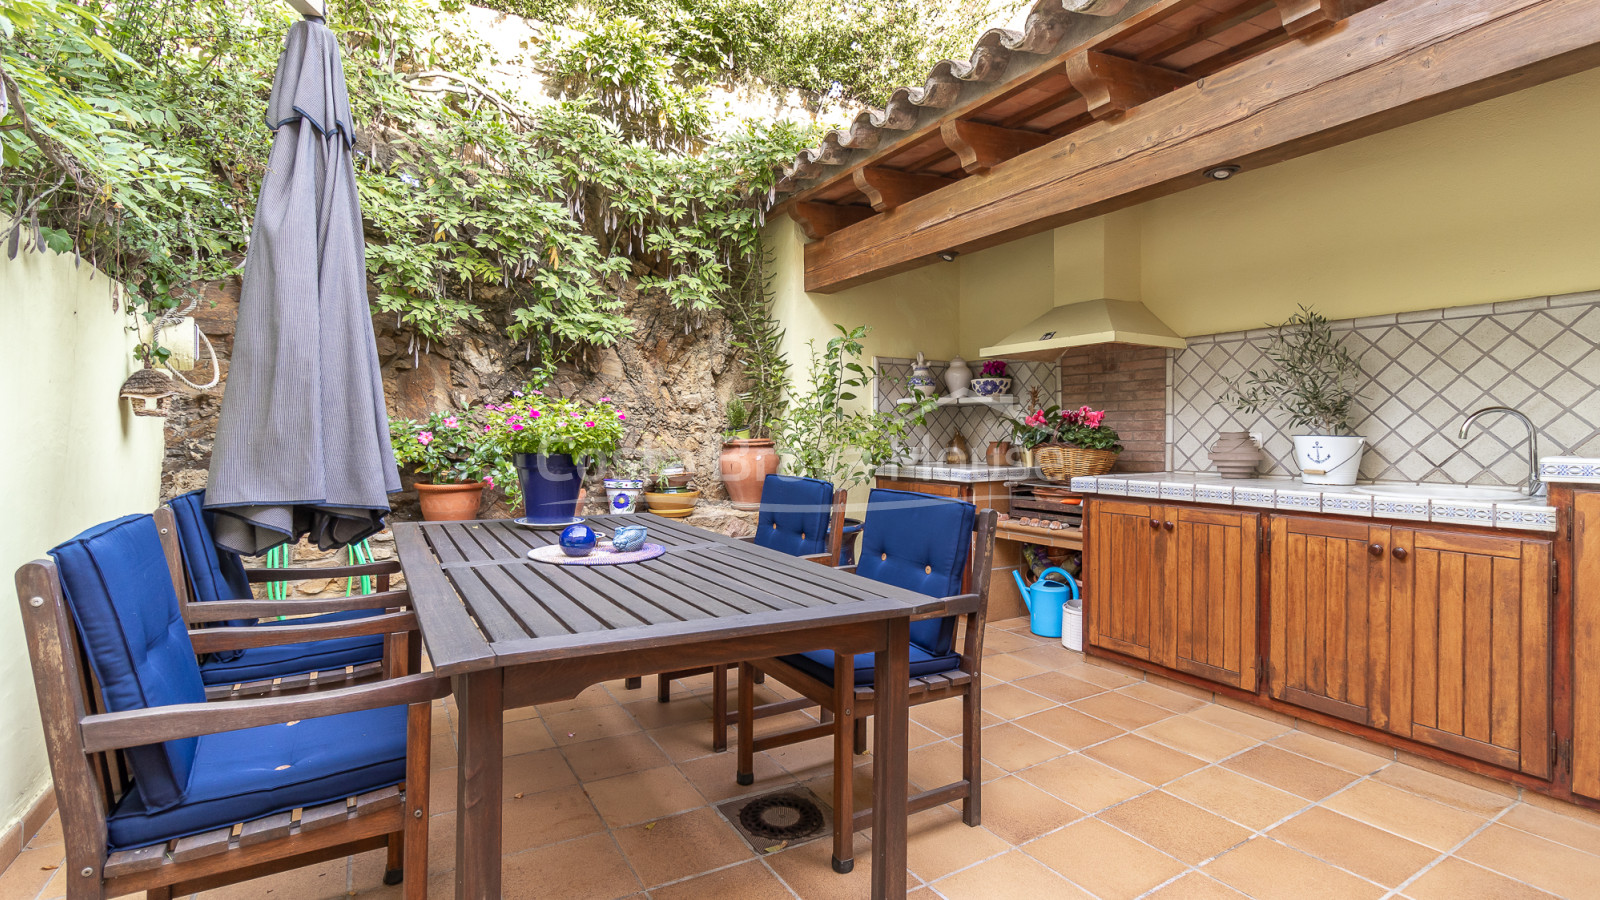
x=1534 y=485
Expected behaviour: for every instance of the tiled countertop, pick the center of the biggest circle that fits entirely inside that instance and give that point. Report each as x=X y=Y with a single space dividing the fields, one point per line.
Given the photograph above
x=1290 y=495
x=968 y=474
x=1570 y=469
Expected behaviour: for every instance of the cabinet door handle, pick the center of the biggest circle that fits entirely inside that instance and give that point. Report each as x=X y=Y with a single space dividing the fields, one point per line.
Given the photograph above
x=1400 y=553
x=1155 y=523
x=1375 y=549
x=1169 y=526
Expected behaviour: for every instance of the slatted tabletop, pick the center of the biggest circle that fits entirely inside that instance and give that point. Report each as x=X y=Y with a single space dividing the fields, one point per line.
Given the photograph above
x=481 y=602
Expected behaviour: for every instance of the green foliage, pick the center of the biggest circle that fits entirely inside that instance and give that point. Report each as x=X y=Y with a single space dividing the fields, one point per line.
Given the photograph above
x=738 y=418
x=449 y=448
x=534 y=422
x=824 y=441
x=1308 y=376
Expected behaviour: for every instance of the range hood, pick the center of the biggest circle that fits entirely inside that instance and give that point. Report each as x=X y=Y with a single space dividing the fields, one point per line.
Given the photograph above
x=1080 y=324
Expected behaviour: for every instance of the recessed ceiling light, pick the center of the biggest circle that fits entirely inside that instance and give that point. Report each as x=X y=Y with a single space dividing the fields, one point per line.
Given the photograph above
x=1222 y=173
x=948 y=255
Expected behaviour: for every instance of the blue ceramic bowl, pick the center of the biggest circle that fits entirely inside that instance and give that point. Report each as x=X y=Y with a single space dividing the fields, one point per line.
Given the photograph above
x=628 y=538
x=577 y=540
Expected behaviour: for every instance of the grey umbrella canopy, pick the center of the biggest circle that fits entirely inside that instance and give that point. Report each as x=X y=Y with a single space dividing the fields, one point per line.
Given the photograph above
x=302 y=444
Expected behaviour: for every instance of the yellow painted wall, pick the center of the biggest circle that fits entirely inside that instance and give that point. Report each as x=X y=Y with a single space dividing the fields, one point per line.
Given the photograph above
x=74 y=456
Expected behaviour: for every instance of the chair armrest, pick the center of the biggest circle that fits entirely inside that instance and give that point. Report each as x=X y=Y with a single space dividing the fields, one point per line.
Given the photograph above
x=210 y=640
x=850 y=568
x=821 y=559
x=305 y=573
x=958 y=605
x=224 y=610
x=748 y=540
x=138 y=727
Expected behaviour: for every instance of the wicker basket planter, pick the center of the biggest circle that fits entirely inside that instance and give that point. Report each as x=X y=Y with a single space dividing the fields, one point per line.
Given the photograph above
x=1059 y=462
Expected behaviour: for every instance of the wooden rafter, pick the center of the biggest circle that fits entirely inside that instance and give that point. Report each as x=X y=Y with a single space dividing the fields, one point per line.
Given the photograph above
x=981 y=147
x=1395 y=63
x=1113 y=85
x=888 y=189
x=1307 y=17
x=818 y=220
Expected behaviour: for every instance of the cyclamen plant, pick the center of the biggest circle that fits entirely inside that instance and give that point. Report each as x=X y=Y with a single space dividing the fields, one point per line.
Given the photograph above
x=534 y=422
x=994 y=368
x=1082 y=427
x=448 y=448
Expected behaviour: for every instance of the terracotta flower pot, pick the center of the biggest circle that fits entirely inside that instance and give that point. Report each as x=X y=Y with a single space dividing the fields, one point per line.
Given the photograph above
x=450 y=502
x=745 y=466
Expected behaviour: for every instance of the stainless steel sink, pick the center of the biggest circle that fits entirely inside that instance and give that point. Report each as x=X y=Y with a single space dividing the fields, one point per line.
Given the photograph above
x=1447 y=492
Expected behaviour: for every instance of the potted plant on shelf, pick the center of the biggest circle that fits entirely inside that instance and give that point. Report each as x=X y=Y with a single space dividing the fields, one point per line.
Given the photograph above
x=451 y=451
x=672 y=497
x=551 y=442
x=745 y=461
x=1308 y=376
x=992 y=380
x=624 y=486
x=1069 y=442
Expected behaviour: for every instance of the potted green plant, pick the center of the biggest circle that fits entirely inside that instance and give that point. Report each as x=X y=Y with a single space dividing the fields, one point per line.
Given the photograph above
x=1309 y=377
x=745 y=461
x=551 y=441
x=672 y=496
x=450 y=450
x=1069 y=442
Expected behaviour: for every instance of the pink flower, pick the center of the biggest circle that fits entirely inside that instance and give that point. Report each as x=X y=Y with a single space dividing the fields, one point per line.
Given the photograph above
x=605 y=399
x=425 y=438
x=535 y=414
x=1035 y=420
x=1094 y=419
x=488 y=480
x=450 y=422
x=623 y=417
x=535 y=393
x=517 y=427
x=487 y=429
x=588 y=424
x=574 y=415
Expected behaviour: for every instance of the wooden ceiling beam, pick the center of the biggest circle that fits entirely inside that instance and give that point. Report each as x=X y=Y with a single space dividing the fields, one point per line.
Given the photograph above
x=1395 y=63
x=888 y=189
x=981 y=147
x=1307 y=17
x=1113 y=85
x=818 y=220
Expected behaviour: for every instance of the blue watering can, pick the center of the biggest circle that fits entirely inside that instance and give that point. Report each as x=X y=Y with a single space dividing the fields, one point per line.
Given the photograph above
x=1045 y=599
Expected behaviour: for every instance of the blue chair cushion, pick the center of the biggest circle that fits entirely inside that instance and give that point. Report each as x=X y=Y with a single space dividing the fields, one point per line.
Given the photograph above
x=120 y=593
x=918 y=542
x=213 y=572
x=819 y=664
x=237 y=777
x=794 y=515
x=293 y=659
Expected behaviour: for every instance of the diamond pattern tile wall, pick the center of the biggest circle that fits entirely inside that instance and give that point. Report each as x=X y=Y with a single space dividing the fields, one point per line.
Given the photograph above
x=1422 y=374
x=980 y=425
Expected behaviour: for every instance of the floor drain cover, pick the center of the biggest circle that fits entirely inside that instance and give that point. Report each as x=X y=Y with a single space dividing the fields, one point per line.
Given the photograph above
x=780 y=819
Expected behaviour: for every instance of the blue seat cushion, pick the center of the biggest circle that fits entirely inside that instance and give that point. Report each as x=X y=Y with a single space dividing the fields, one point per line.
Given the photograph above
x=918 y=542
x=213 y=572
x=237 y=775
x=293 y=659
x=819 y=664
x=119 y=591
x=794 y=515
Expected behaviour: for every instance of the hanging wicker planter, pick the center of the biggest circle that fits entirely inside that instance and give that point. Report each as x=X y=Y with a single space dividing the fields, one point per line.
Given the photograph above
x=148 y=391
x=1060 y=462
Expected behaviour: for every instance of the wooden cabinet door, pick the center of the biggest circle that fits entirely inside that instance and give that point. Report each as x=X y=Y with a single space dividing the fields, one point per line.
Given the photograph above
x=1470 y=657
x=1327 y=613
x=1212 y=593
x=1586 y=645
x=1126 y=566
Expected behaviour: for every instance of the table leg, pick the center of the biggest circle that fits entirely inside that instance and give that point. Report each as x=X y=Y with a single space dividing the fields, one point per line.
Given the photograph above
x=478 y=784
x=892 y=674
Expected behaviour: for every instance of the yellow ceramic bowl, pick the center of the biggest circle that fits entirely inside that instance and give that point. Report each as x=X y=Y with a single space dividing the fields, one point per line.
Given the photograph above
x=672 y=506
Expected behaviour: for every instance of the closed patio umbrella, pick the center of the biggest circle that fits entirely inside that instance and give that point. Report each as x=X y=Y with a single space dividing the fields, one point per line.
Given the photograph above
x=302 y=444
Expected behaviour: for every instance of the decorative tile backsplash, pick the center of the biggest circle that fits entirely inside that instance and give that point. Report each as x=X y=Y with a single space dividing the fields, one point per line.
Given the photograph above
x=979 y=424
x=1423 y=373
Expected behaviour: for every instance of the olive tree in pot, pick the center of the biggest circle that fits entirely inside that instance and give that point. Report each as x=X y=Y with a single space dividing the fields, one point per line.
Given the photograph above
x=745 y=461
x=1308 y=377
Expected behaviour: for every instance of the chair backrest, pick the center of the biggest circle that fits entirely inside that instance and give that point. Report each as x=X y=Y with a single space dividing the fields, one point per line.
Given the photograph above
x=795 y=515
x=116 y=583
x=213 y=573
x=918 y=542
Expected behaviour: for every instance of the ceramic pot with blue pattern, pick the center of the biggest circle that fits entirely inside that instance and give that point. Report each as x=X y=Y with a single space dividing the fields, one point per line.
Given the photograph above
x=622 y=495
x=578 y=540
x=991 y=387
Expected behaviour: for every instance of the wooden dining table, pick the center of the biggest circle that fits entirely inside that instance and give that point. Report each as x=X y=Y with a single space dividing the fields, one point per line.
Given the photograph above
x=512 y=632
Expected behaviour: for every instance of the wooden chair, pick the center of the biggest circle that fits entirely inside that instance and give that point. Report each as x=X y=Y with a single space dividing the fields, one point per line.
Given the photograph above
x=160 y=790
x=205 y=573
x=802 y=517
x=921 y=543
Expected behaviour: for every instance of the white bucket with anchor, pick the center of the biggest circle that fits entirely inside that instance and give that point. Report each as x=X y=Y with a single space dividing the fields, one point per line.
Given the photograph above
x=1328 y=458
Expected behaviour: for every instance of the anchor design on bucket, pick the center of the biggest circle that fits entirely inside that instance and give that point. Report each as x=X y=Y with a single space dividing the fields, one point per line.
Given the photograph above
x=1317 y=455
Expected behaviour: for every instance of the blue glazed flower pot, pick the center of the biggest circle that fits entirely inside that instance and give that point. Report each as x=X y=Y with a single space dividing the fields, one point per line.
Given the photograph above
x=550 y=484
x=578 y=540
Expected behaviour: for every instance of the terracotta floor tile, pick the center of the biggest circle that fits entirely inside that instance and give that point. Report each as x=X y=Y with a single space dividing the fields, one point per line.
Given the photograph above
x=1121 y=710
x=680 y=846
x=31 y=870
x=1110 y=674
x=1195 y=886
x=944 y=717
x=1325 y=751
x=1236 y=797
x=1175 y=827
x=746 y=881
x=442 y=843
x=591 y=724
x=1006 y=667
x=1553 y=827
x=1070 y=728
x=1369 y=852
x=690 y=740
x=589 y=868
x=1455 y=879
x=1051 y=655
x=1103 y=860
x=1083 y=782
x=860 y=787
x=1159 y=696
x=442 y=790
x=1145 y=760
x=49 y=834
x=937 y=764
x=591 y=697
x=642 y=796
x=1010 y=876
x=1290 y=772
x=1011 y=702
x=1267 y=870
x=547 y=818
x=1197 y=738
x=998 y=640
x=715 y=775
x=1060 y=687
x=651 y=714
x=320 y=881
x=1525 y=857
x=1019 y=812
x=1409 y=815
x=1247 y=724
x=938 y=843
x=808 y=871
x=442 y=750
x=1443 y=790
x=1012 y=747
x=527 y=736
x=594 y=760
x=526 y=773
